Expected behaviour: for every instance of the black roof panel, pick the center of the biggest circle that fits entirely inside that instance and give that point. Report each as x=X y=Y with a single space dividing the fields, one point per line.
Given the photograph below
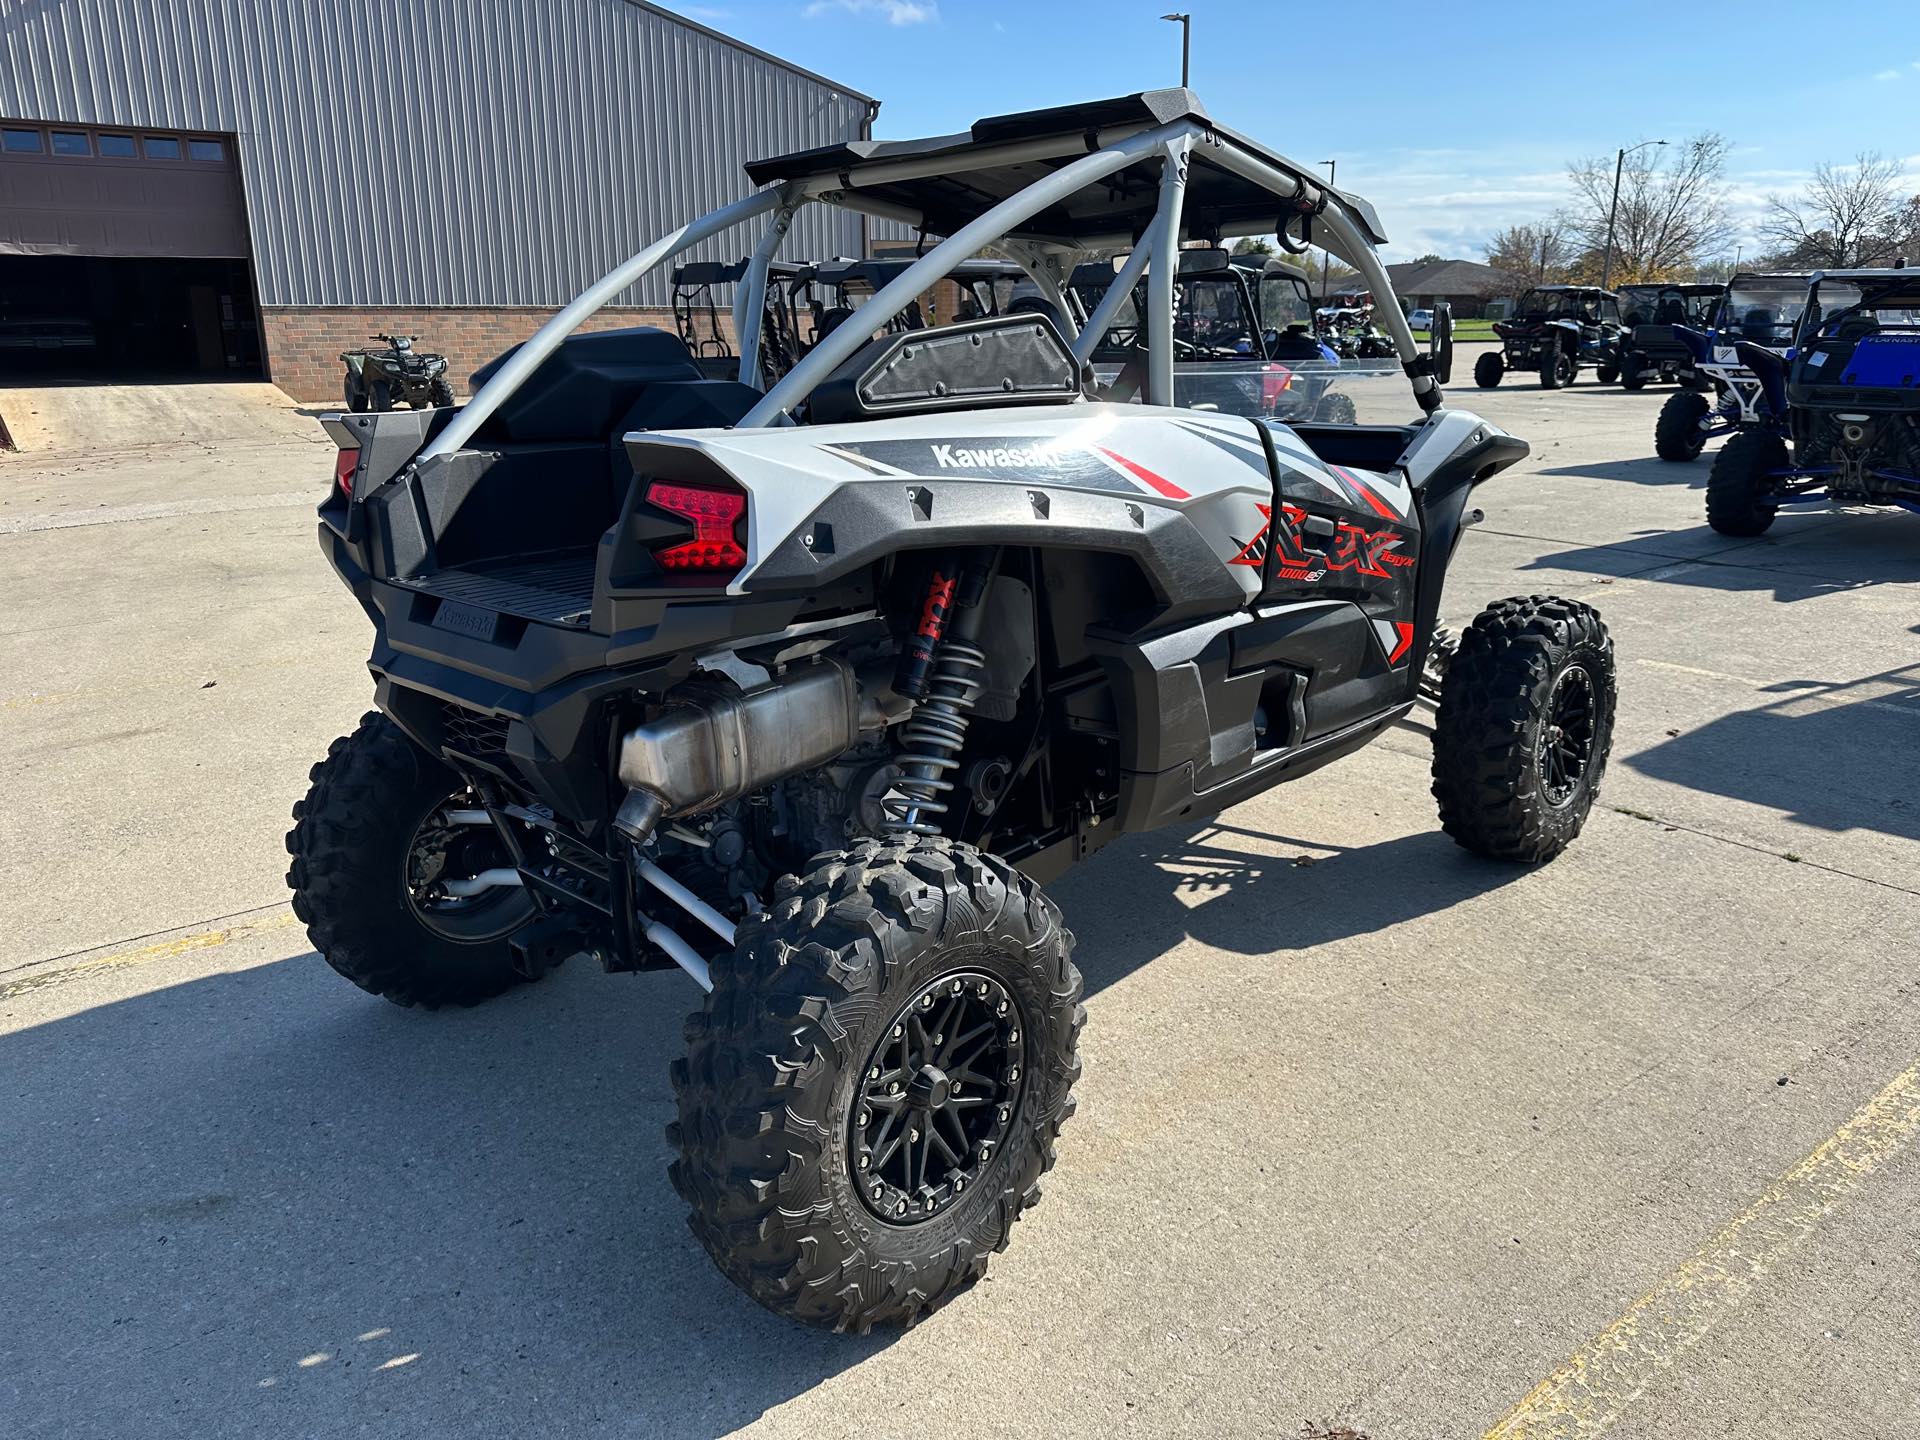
x=1123 y=203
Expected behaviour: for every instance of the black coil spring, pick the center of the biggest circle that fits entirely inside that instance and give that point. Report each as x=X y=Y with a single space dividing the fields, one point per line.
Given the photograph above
x=932 y=738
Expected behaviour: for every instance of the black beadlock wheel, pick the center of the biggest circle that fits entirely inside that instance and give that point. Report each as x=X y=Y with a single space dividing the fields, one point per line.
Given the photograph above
x=1677 y=434
x=1741 y=488
x=1524 y=728
x=1488 y=369
x=373 y=851
x=1557 y=368
x=873 y=1089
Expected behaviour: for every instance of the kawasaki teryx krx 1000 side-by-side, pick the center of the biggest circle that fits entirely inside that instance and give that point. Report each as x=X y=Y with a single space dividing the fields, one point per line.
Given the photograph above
x=808 y=688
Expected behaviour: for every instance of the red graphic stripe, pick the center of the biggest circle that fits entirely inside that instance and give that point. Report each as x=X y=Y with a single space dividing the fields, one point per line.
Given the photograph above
x=1379 y=507
x=1405 y=629
x=1145 y=476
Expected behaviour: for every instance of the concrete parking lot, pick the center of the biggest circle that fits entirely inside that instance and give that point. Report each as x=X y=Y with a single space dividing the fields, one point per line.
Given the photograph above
x=1375 y=1138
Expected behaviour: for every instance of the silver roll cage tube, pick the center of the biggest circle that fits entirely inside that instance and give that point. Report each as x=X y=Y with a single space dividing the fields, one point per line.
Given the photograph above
x=1176 y=143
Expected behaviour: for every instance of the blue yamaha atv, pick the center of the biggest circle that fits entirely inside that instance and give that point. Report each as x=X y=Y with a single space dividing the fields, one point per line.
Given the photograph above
x=1722 y=393
x=1847 y=402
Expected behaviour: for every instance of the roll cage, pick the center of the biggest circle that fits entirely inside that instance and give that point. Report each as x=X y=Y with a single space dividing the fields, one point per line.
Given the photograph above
x=1046 y=189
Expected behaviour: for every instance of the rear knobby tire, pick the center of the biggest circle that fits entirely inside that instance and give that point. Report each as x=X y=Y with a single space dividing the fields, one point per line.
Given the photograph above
x=1517 y=664
x=770 y=1086
x=349 y=843
x=1488 y=369
x=1633 y=371
x=1740 y=490
x=1556 y=369
x=1677 y=434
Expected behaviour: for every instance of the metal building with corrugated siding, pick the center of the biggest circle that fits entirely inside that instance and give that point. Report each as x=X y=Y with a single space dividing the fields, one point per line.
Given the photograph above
x=232 y=186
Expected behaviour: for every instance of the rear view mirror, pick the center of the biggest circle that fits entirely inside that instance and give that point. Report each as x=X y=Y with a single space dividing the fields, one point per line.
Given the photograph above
x=1440 y=341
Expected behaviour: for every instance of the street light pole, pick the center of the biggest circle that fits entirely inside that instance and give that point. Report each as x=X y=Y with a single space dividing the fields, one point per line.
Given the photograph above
x=1326 y=256
x=1619 y=160
x=1186 y=45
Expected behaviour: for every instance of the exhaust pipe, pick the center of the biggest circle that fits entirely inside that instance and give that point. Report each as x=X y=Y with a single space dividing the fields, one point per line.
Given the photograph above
x=716 y=743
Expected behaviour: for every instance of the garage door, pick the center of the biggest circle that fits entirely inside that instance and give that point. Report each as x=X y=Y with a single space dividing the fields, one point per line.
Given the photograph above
x=74 y=190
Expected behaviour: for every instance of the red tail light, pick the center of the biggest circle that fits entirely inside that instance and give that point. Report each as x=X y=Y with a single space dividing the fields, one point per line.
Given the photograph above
x=716 y=515
x=344 y=464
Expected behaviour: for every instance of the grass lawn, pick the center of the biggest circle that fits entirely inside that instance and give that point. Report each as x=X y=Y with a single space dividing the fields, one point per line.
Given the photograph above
x=1465 y=330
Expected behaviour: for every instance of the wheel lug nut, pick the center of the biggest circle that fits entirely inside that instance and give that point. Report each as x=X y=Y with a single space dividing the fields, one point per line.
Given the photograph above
x=1006 y=1113
x=983 y=987
x=866 y=1116
x=898 y=1031
x=956 y=987
x=1013 y=1074
x=1001 y=1008
x=959 y=1183
x=893 y=1087
x=926 y=1002
x=865 y=1161
x=938 y=1039
x=913 y=1134
x=874 y=1073
x=901 y=1208
x=1013 y=1037
x=878 y=1191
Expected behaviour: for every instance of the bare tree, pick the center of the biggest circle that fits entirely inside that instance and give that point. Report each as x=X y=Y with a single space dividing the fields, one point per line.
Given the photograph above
x=1537 y=253
x=1847 y=215
x=1672 y=208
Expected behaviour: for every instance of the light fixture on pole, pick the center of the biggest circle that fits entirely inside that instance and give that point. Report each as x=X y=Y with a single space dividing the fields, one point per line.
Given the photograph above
x=1613 y=211
x=1186 y=39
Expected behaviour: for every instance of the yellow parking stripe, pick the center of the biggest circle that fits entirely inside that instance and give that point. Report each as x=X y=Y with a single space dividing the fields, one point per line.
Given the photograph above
x=1586 y=1395
x=161 y=950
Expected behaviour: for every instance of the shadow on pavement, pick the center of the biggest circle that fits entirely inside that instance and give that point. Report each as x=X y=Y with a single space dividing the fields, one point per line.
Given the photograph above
x=1650 y=471
x=262 y=1203
x=1802 y=557
x=1836 y=756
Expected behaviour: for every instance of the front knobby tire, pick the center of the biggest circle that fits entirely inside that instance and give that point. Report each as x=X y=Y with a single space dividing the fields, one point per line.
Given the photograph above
x=1488 y=369
x=1740 y=490
x=351 y=842
x=783 y=1159
x=1524 y=727
x=1679 y=434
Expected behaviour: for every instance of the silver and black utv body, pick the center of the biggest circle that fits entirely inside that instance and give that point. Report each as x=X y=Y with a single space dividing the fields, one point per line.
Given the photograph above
x=804 y=687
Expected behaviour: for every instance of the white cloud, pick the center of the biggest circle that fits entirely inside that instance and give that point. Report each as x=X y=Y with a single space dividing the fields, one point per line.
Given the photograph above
x=1888 y=75
x=894 y=12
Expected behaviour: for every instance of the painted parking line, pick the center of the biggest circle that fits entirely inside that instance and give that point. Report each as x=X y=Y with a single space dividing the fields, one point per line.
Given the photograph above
x=145 y=954
x=1589 y=1393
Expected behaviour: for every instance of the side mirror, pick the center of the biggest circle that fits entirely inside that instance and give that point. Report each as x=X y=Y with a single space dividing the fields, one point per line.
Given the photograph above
x=1440 y=341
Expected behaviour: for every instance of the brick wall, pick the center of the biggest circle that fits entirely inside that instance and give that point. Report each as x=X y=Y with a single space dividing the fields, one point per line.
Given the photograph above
x=304 y=342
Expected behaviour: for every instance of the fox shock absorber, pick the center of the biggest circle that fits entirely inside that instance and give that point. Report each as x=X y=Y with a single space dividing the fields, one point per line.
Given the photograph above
x=942 y=668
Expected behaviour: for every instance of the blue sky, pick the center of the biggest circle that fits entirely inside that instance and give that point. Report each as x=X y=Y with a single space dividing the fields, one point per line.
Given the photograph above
x=1450 y=141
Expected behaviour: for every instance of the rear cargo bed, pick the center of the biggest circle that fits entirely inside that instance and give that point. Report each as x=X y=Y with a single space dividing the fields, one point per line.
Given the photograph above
x=556 y=588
